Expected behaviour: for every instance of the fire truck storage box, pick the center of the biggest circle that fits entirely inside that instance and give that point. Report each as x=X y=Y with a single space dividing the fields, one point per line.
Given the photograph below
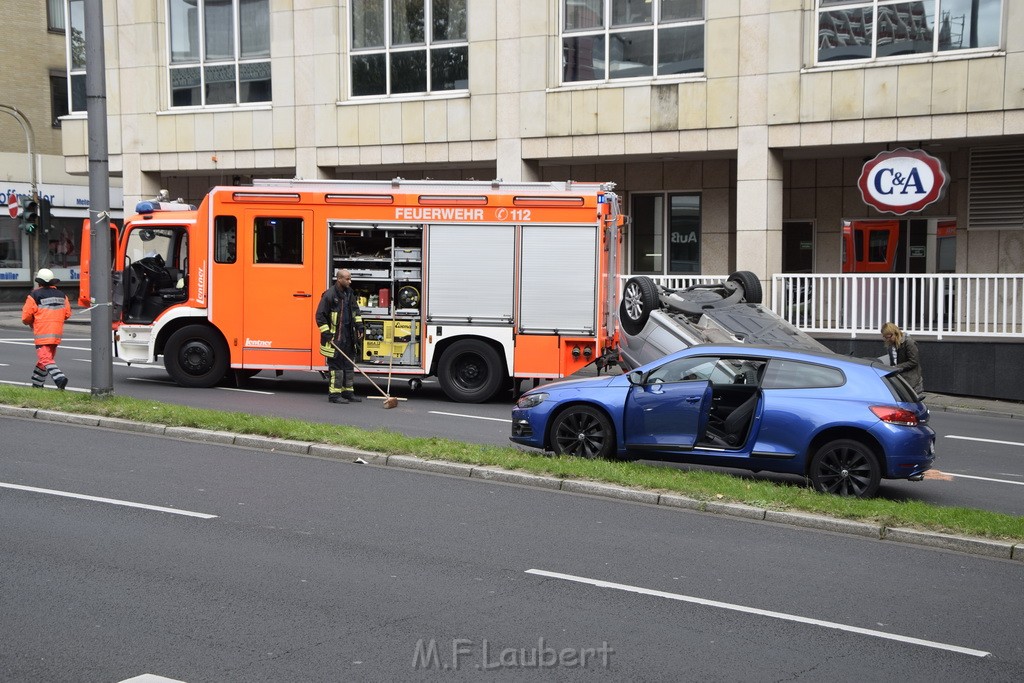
x=368 y=272
x=382 y=349
x=406 y=253
x=407 y=273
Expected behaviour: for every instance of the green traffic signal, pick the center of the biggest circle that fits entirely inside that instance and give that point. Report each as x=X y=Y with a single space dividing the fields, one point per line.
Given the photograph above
x=29 y=214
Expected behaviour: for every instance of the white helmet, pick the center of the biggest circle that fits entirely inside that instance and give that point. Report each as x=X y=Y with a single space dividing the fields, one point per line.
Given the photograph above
x=45 y=277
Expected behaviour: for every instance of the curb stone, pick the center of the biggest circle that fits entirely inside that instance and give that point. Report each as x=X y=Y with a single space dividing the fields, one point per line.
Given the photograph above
x=513 y=477
x=271 y=444
x=132 y=426
x=346 y=454
x=735 y=510
x=964 y=544
x=609 y=491
x=412 y=462
x=70 y=418
x=17 y=411
x=207 y=435
x=843 y=526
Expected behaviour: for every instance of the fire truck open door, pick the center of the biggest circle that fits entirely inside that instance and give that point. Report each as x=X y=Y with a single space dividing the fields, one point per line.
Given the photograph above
x=280 y=289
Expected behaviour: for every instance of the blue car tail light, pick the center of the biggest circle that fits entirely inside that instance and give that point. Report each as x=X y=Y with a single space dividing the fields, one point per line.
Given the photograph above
x=894 y=415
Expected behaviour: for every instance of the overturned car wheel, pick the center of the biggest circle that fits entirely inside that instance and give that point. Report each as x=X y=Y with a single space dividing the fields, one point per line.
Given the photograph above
x=752 y=293
x=639 y=298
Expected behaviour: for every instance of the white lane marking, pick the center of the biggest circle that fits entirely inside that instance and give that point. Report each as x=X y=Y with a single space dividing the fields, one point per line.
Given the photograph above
x=972 y=438
x=998 y=481
x=112 y=501
x=472 y=417
x=28 y=384
x=171 y=382
x=252 y=391
x=761 y=612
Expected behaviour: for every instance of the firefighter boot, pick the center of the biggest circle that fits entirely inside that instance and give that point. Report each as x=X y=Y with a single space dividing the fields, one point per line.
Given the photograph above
x=351 y=397
x=336 y=398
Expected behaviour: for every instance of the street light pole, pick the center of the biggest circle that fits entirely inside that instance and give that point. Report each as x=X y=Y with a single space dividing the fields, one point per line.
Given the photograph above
x=30 y=144
x=99 y=202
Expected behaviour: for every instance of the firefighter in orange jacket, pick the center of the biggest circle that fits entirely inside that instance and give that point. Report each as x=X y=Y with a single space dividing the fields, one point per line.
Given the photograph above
x=45 y=310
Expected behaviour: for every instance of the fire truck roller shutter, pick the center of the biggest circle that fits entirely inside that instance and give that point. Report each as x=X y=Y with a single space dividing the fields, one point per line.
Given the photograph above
x=559 y=263
x=471 y=274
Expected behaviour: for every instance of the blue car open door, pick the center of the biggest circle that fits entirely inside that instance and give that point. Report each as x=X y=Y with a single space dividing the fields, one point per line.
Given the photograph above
x=666 y=416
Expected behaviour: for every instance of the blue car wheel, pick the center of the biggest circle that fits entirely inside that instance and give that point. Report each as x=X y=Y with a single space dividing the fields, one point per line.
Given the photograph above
x=847 y=468
x=584 y=432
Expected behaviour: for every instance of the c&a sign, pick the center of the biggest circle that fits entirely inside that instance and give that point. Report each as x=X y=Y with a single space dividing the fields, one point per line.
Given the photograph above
x=902 y=181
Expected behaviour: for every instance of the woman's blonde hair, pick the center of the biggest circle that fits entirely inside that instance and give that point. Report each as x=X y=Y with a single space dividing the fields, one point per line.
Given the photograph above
x=895 y=331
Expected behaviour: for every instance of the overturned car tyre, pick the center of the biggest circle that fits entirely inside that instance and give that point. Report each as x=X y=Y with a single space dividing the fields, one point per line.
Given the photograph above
x=751 y=286
x=639 y=298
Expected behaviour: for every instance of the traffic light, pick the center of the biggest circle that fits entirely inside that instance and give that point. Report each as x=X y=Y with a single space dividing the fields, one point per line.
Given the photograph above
x=29 y=214
x=44 y=215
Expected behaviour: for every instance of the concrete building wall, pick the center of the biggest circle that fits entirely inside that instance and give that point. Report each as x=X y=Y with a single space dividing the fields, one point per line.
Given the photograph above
x=764 y=134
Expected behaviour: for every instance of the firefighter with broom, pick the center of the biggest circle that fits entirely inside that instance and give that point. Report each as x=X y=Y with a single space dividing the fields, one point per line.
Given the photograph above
x=341 y=328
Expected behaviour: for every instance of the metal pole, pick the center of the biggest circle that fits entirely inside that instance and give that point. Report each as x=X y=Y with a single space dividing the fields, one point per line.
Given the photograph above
x=30 y=144
x=99 y=201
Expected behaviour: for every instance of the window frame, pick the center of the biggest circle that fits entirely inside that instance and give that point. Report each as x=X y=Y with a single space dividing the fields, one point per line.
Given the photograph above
x=664 y=233
x=428 y=46
x=205 y=65
x=607 y=30
x=827 y=30
x=75 y=74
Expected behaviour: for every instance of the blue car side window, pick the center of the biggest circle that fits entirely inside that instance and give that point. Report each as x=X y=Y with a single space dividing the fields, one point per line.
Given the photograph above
x=684 y=370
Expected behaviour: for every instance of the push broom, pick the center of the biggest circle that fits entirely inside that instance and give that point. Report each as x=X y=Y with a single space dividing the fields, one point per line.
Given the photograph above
x=389 y=401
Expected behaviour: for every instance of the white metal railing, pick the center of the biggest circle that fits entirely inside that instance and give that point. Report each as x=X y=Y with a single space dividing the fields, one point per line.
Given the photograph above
x=950 y=304
x=939 y=305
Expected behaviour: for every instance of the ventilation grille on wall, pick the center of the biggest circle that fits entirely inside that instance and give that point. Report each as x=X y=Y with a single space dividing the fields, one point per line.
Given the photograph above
x=996 y=198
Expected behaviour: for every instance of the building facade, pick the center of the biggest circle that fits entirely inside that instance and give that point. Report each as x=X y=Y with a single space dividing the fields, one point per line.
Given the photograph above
x=736 y=130
x=32 y=102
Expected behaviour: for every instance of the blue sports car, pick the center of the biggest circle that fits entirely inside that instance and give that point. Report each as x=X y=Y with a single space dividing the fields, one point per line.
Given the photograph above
x=844 y=423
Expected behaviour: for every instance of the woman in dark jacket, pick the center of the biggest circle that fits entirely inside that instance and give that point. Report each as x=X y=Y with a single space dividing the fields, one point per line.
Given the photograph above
x=903 y=355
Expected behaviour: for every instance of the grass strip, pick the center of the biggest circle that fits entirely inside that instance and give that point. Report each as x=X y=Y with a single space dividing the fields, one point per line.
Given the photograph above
x=696 y=483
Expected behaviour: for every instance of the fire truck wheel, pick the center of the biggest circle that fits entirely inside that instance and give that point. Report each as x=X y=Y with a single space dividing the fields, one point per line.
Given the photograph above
x=639 y=298
x=751 y=286
x=470 y=371
x=196 y=356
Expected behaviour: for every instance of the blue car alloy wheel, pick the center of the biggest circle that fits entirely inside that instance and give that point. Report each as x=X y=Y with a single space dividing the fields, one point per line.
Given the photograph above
x=584 y=432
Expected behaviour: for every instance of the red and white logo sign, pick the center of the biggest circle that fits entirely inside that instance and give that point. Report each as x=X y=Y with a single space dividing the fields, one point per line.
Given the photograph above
x=13 y=206
x=902 y=181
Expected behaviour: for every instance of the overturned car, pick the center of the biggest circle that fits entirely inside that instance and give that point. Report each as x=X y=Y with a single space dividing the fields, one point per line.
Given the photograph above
x=655 y=321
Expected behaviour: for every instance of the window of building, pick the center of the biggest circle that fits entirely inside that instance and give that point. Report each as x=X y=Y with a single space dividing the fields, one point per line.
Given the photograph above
x=58 y=98
x=55 y=15
x=605 y=40
x=665 y=233
x=219 y=52
x=402 y=47
x=882 y=29
x=75 y=43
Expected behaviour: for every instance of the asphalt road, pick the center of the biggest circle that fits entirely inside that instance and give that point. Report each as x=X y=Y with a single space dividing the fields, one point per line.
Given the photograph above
x=318 y=570
x=980 y=461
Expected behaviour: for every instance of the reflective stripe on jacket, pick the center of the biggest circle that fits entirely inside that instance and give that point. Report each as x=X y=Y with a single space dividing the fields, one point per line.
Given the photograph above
x=46 y=309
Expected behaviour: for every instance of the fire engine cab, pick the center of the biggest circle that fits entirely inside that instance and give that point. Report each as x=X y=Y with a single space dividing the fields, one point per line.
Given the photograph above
x=477 y=283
